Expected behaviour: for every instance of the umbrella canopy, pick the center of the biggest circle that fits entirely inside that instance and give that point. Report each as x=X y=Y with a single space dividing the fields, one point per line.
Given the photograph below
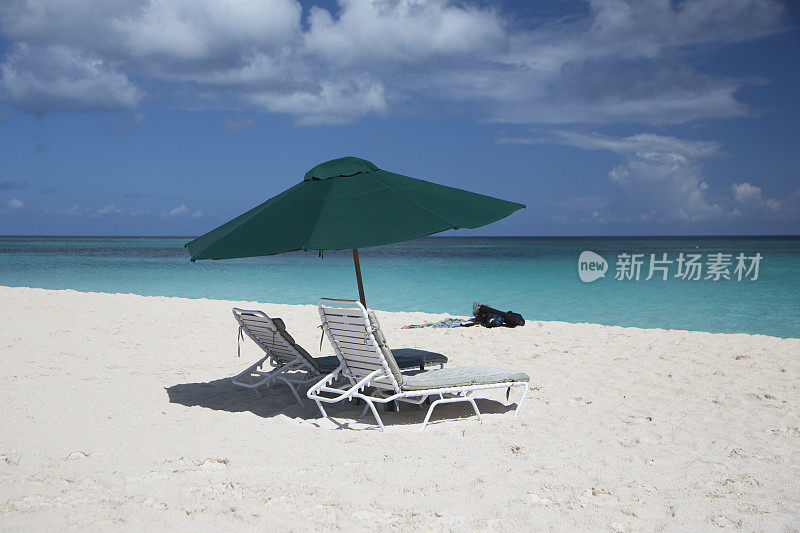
x=348 y=203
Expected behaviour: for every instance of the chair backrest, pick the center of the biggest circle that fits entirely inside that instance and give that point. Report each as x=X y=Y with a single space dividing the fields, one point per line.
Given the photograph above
x=358 y=342
x=271 y=336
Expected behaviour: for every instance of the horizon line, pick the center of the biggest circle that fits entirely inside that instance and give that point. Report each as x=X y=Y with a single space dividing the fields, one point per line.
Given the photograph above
x=631 y=236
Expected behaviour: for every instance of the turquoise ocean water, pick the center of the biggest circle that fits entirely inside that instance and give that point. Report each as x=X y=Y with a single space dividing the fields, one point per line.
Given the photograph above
x=537 y=277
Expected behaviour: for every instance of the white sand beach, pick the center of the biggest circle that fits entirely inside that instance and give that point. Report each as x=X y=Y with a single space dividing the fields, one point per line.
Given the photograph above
x=118 y=413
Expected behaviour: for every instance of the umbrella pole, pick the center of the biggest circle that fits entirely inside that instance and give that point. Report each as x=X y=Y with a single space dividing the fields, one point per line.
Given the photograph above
x=358 y=278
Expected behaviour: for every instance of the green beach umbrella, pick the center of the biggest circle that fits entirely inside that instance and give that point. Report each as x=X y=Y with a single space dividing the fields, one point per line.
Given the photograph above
x=348 y=203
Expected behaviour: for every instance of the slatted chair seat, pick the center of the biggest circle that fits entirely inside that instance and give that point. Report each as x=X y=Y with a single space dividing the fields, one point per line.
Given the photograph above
x=292 y=364
x=465 y=376
x=372 y=372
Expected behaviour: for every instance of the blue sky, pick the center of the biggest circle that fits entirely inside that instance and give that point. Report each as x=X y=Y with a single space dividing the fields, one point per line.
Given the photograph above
x=607 y=117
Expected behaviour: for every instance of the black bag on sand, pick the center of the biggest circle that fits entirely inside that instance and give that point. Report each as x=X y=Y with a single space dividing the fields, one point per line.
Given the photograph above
x=492 y=318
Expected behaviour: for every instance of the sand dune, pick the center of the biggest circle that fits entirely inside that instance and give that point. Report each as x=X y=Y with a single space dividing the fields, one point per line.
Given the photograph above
x=118 y=412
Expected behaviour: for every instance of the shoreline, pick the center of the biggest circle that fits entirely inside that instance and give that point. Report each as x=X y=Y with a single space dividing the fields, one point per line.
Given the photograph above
x=432 y=316
x=121 y=414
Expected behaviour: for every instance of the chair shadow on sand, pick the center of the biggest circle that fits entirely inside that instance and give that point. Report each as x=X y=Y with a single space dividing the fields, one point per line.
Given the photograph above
x=223 y=395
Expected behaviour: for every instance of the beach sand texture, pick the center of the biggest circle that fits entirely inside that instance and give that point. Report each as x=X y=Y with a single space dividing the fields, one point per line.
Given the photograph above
x=118 y=413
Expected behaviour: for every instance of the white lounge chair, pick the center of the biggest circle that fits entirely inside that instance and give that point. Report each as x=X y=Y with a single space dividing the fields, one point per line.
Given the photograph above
x=291 y=364
x=367 y=362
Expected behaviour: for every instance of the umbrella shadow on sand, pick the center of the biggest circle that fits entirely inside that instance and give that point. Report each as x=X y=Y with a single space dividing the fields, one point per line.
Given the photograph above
x=223 y=395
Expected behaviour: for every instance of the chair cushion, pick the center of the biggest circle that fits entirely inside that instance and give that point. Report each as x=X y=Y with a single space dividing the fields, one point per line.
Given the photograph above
x=387 y=353
x=404 y=357
x=411 y=357
x=281 y=327
x=328 y=364
x=459 y=377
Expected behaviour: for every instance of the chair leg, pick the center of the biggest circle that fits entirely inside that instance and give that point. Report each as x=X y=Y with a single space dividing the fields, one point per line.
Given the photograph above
x=475 y=406
x=294 y=391
x=449 y=400
x=297 y=396
x=428 y=414
x=243 y=379
x=321 y=409
x=375 y=413
x=519 y=404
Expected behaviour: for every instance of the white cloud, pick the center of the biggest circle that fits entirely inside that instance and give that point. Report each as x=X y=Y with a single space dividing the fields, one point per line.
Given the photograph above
x=642 y=143
x=752 y=201
x=42 y=79
x=624 y=61
x=405 y=31
x=180 y=211
x=660 y=176
x=110 y=209
x=744 y=193
x=13 y=204
x=660 y=179
x=670 y=183
x=74 y=211
x=192 y=30
x=333 y=103
x=619 y=60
